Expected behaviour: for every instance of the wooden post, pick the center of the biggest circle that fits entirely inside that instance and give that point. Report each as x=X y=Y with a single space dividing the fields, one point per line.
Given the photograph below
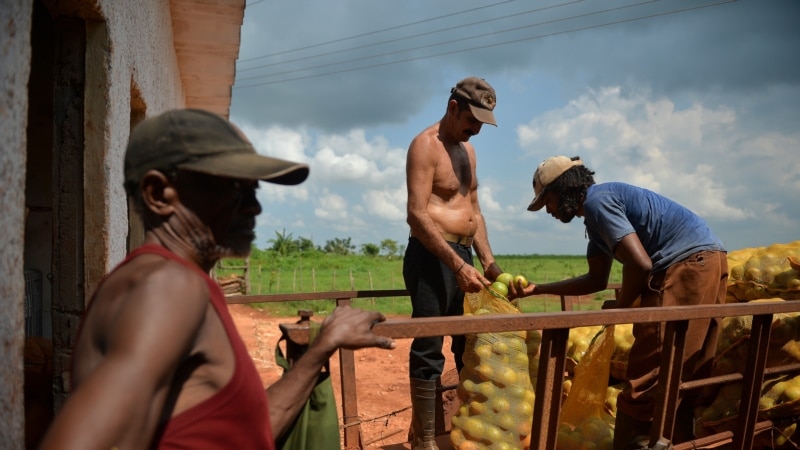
x=371 y=288
x=247 y=276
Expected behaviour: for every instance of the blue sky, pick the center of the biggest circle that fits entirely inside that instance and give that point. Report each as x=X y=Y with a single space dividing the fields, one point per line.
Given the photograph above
x=696 y=100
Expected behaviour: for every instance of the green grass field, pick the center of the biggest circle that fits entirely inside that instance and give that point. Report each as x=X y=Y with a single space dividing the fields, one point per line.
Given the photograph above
x=322 y=272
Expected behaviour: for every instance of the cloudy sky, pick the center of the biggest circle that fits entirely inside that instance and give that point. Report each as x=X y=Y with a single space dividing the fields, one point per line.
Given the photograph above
x=696 y=100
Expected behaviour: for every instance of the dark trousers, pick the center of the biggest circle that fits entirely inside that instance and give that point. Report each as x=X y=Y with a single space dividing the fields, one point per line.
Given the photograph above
x=434 y=293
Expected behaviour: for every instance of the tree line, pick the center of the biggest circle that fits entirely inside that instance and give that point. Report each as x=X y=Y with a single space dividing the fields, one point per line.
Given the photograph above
x=285 y=244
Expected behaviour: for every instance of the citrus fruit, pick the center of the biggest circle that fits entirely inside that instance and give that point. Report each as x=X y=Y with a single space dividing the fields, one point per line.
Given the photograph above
x=505 y=278
x=500 y=288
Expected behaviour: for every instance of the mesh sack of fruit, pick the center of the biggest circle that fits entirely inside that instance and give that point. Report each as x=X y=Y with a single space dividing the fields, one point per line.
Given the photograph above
x=495 y=388
x=578 y=344
x=623 y=340
x=584 y=419
x=780 y=399
x=733 y=344
x=783 y=435
x=611 y=398
x=721 y=414
x=764 y=272
x=733 y=335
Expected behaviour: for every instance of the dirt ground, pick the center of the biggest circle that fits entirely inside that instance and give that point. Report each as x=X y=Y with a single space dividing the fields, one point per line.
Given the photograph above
x=384 y=403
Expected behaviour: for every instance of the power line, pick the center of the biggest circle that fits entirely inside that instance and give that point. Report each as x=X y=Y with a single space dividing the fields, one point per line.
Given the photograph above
x=441 y=43
x=370 y=33
x=441 y=30
x=438 y=44
x=514 y=41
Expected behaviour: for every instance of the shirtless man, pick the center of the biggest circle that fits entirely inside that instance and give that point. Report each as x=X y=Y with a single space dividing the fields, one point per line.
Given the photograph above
x=158 y=362
x=446 y=225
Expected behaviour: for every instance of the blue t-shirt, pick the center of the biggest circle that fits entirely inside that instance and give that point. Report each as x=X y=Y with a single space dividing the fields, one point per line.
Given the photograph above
x=668 y=231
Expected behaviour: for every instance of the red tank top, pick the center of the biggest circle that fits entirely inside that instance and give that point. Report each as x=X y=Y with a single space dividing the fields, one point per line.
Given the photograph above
x=236 y=417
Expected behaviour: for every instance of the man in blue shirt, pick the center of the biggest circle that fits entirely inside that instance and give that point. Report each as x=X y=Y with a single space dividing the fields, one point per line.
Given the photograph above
x=669 y=257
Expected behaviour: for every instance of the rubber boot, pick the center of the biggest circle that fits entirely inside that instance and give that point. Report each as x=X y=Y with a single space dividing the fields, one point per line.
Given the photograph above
x=423 y=414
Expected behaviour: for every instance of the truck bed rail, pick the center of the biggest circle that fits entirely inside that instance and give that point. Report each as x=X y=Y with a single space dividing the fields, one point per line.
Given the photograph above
x=555 y=328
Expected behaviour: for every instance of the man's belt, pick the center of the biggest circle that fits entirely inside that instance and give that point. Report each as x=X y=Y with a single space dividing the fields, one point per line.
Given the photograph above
x=454 y=238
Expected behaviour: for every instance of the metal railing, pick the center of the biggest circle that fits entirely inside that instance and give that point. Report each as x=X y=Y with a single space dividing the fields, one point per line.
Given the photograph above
x=555 y=328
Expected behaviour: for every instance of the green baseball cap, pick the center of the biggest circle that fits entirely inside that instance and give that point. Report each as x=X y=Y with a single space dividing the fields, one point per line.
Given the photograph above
x=201 y=141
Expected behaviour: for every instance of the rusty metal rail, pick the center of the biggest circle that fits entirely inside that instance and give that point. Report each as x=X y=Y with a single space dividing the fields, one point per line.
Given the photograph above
x=555 y=332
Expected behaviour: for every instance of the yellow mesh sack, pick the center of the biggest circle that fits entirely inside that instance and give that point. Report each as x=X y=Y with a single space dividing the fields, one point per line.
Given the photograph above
x=732 y=346
x=764 y=272
x=623 y=341
x=779 y=402
x=584 y=418
x=578 y=344
x=495 y=388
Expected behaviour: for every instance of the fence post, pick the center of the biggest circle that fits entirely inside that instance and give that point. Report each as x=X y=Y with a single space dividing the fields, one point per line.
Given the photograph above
x=369 y=273
x=350 y=419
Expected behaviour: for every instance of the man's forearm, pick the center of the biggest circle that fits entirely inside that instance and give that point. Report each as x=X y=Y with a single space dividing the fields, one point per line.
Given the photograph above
x=581 y=285
x=484 y=250
x=288 y=395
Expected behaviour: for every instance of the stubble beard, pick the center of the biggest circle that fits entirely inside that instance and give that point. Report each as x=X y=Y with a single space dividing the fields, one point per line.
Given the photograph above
x=566 y=213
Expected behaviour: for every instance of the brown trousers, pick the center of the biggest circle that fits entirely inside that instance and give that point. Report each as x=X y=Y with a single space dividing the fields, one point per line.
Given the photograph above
x=700 y=279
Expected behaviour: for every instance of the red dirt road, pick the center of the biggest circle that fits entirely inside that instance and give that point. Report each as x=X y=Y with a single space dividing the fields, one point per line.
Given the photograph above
x=384 y=403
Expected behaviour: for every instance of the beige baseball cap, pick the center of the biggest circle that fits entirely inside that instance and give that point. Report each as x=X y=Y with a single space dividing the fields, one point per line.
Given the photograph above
x=547 y=172
x=480 y=97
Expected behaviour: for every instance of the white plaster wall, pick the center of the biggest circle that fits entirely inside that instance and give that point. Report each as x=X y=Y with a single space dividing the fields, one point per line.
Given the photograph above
x=129 y=42
x=133 y=46
x=15 y=15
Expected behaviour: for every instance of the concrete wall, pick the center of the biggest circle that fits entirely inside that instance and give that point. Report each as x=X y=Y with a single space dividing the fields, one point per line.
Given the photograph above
x=15 y=16
x=124 y=57
x=131 y=49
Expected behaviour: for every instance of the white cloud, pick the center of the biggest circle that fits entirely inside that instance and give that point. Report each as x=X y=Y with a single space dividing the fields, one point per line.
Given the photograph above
x=711 y=123
x=681 y=153
x=353 y=157
x=278 y=142
x=389 y=204
x=331 y=206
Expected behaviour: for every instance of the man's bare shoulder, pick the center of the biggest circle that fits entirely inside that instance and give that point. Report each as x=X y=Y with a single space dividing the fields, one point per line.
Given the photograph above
x=151 y=277
x=143 y=304
x=427 y=137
